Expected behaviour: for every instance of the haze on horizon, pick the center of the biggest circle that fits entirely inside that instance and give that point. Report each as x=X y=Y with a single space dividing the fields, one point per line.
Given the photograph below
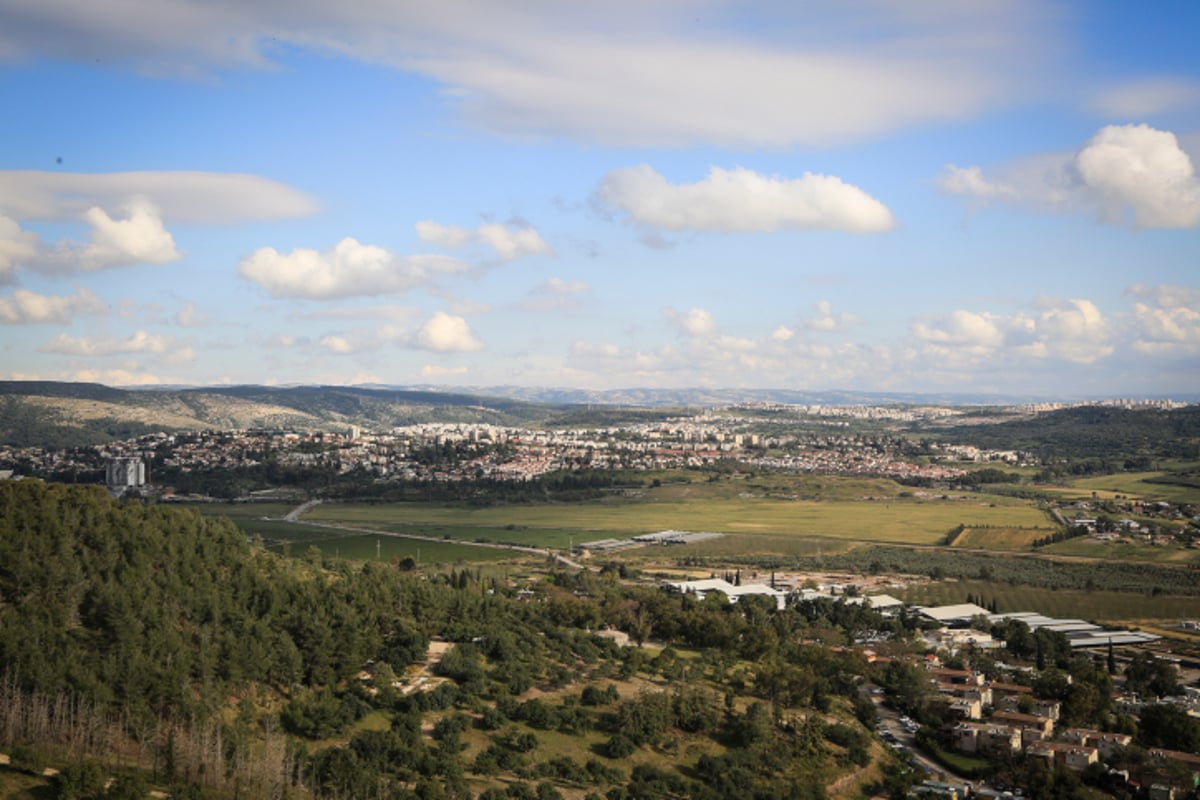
x=998 y=197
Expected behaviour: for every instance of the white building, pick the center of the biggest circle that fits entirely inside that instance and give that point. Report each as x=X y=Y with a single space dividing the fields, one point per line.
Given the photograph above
x=124 y=472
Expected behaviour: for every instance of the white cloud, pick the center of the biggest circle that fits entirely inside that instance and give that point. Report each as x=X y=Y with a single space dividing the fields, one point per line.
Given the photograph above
x=444 y=333
x=1064 y=330
x=742 y=201
x=337 y=344
x=642 y=74
x=970 y=181
x=17 y=247
x=1072 y=330
x=1127 y=173
x=1147 y=96
x=1168 y=323
x=976 y=332
x=555 y=293
x=695 y=322
x=118 y=377
x=139 y=238
x=28 y=308
x=184 y=197
x=507 y=241
x=138 y=342
x=350 y=269
x=1141 y=170
x=828 y=321
x=453 y=236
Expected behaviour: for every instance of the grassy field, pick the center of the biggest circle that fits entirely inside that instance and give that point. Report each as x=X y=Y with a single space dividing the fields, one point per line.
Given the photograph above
x=1000 y=538
x=696 y=508
x=1129 y=484
x=1088 y=547
x=1062 y=603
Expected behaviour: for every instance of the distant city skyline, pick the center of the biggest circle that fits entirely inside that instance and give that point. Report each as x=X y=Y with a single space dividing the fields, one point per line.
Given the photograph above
x=990 y=198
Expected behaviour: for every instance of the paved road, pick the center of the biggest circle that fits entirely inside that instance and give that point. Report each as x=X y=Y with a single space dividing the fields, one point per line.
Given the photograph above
x=890 y=721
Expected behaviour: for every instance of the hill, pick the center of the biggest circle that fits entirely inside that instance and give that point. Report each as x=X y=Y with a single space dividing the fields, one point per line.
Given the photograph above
x=1092 y=432
x=48 y=414
x=161 y=649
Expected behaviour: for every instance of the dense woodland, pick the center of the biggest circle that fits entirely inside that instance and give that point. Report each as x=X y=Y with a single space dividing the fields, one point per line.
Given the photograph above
x=163 y=648
x=1105 y=438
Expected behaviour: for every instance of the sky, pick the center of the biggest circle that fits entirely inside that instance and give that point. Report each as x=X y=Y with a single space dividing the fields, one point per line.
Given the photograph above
x=928 y=196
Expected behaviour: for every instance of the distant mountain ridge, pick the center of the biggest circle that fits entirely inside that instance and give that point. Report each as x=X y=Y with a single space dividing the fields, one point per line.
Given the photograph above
x=45 y=413
x=54 y=414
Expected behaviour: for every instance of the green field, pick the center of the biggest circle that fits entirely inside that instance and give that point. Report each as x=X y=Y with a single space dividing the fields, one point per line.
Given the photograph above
x=1130 y=484
x=1000 y=538
x=898 y=520
x=1088 y=547
x=1062 y=603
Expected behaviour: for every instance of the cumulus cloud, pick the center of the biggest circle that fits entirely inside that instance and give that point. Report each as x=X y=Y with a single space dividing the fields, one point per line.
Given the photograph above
x=1072 y=330
x=185 y=197
x=1167 y=323
x=775 y=359
x=350 y=269
x=507 y=241
x=17 y=247
x=742 y=201
x=828 y=320
x=136 y=236
x=1143 y=171
x=1065 y=330
x=651 y=74
x=976 y=332
x=139 y=238
x=28 y=308
x=1128 y=174
x=695 y=322
x=555 y=293
x=445 y=333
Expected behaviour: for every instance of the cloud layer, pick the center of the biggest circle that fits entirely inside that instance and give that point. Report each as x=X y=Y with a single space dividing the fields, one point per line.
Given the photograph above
x=662 y=74
x=742 y=201
x=212 y=198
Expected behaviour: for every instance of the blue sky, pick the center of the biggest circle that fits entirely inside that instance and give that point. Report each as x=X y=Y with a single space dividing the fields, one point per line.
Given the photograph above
x=921 y=197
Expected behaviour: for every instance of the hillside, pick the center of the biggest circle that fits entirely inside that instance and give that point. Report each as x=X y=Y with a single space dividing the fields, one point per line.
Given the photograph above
x=160 y=648
x=1097 y=432
x=43 y=413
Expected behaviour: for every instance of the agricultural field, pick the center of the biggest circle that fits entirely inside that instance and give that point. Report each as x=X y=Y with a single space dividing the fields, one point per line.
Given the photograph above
x=910 y=520
x=1128 y=485
x=1087 y=547
x=1000 y=538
